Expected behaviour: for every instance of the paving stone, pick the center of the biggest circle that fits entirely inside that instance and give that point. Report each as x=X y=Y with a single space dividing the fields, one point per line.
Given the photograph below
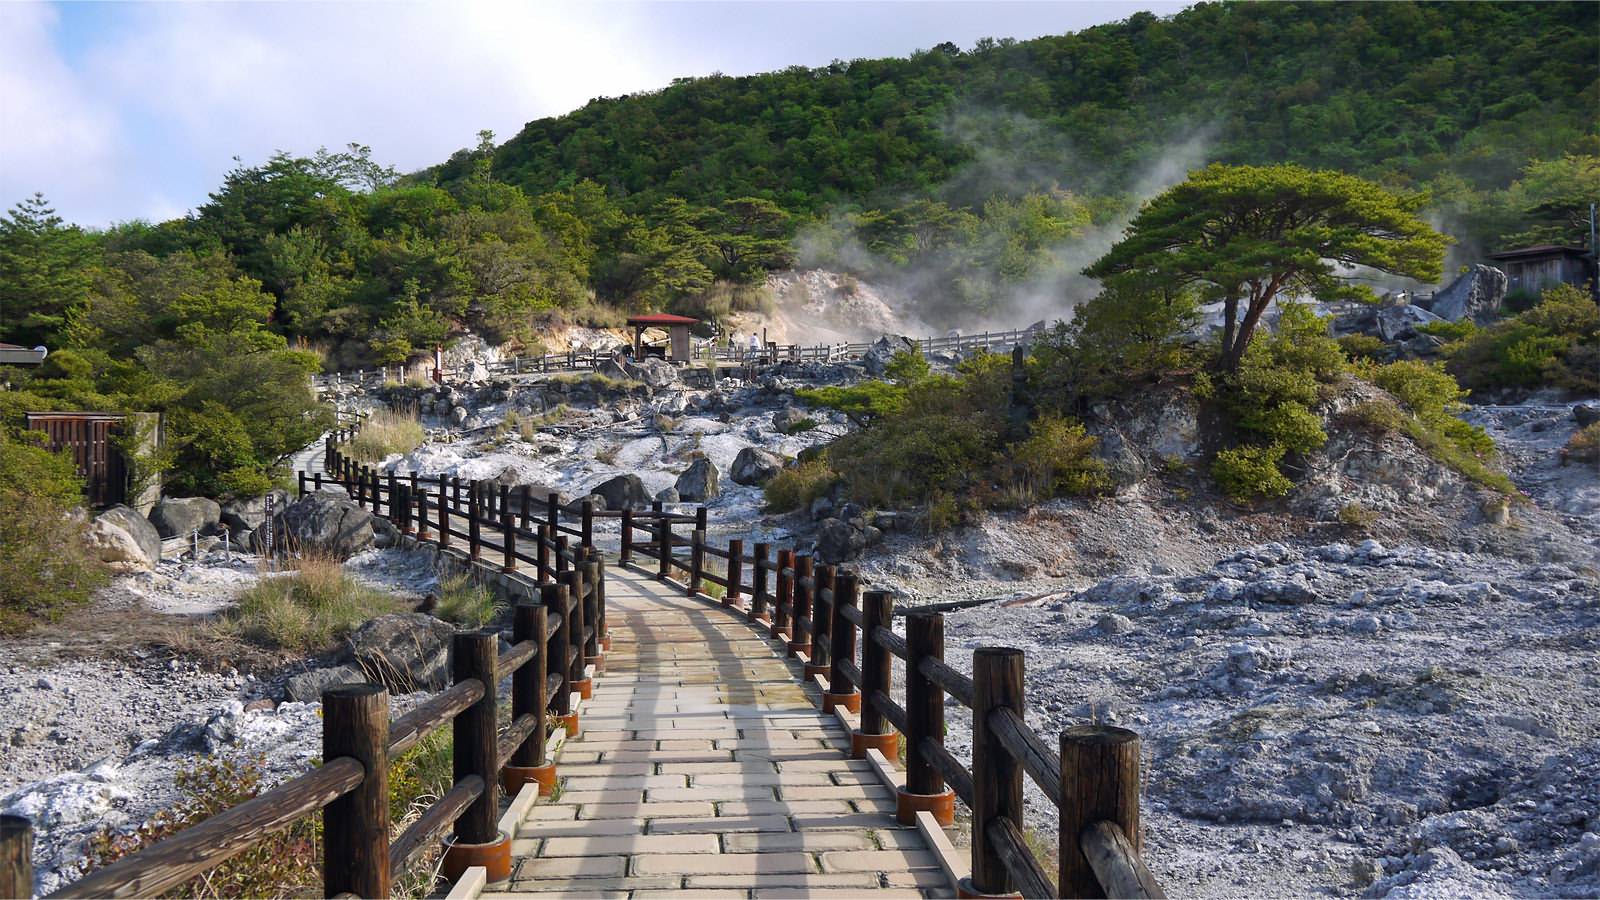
x=630 y=845
x=716 y=792
x=571 y=867
x=833 y=792
x=724 y=863
x=719 y=825
x=645 y=810
x=762 y=881
x=878 y=860
x=818 y=808
x=564 y=828
x=813 y=842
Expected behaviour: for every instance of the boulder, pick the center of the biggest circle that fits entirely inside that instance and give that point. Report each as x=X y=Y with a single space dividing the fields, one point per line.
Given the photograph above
x=174 y=516
x=876 y=359
x=1124 y=467
x=110 y=544
x=654 y=371
x=838 y=542
x=307 y=687
x=754 y=466
x=137 y=527
x=322 y=523
x=668 y=495
x=1476 y=295
x=698 y=483
x=247 y=514
x=790 y=419
x=1585 y=415
x=405 y=652
x=1398 y=323
x=623 y=492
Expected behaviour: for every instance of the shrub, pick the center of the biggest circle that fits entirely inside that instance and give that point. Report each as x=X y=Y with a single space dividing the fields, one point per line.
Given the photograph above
x=464 y=602
x=1355 y=515
x=794 y=487
x=45 y=568
x=1362 y=346
x=1248 y=473
x=1585 y=444
x=1450 y=331
x=385 y=433
x=799 y=426
x=1432 y=398
x=1057 y=459
x=213 y=454
x=306 y=611
x=1556 y=343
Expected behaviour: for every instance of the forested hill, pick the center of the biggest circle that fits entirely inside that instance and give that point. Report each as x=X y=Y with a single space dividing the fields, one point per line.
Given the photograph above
x=1456 y=96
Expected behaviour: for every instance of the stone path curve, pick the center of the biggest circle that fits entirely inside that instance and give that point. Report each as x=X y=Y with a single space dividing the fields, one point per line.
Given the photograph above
x=703 y=768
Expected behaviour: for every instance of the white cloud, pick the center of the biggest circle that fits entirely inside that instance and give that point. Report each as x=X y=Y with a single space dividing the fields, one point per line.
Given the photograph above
x=55 y=135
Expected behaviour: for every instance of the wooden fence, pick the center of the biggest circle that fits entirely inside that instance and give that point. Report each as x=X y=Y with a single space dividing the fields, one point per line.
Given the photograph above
x=768 y=354
x=844 y=638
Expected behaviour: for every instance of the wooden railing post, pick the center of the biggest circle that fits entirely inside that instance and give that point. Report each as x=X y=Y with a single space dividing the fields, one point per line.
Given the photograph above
x=525 y=500
x=474 y=513
x=576 y=676
x=591 y=609
x=625 y=555
x=664 y=547
x=455 y=490
x=300 y=481
x=503 y=506
x=16 y=856
x=1099 y=783
x=925 y=789
x=422 y=516
x=758 y=584
x=783 y=605
x=877 y=672
x=821 y=620
x=552 y=513
x=475 y=752
x=561 y=555
x=735 y=572
x=800 y=642
x=554 y=598
x=697 y=561
x=508 y=540
x=587 y=531
x=600 y=604
x=842 y=647
x=444 y=516
x=355 y=827
x=394 y=491
x=996 y=774
x=546 y=539
x=530 y=697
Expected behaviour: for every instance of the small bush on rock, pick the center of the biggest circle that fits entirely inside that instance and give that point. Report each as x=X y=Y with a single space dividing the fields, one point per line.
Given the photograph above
x=1556 y=344
x=1431 y=398
x=464 y=602
x=1585 y=444
x=1361 y=346
x=306 y=611
x=385 y=433
x=1248 y=473
x=796 y=486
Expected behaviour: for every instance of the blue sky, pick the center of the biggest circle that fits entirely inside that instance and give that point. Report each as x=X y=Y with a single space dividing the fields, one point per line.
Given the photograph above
x=119 y=111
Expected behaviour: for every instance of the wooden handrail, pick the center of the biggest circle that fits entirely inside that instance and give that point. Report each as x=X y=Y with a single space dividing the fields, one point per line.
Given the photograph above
x=1116 y=864
x=1030 y=877
x=1028 y=748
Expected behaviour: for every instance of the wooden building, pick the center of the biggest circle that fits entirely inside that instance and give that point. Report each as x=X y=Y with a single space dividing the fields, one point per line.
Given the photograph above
x=1532 y=269
x=88 y=437
x=677 y=348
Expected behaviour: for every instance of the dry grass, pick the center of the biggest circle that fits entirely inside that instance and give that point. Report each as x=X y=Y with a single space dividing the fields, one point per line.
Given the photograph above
x=466 y=603
x=1585 y=444
x=306 y=611
x=384 y=433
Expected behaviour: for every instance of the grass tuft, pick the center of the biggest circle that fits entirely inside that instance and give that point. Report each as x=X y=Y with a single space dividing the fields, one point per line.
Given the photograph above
x=307 y=611
x=385 y=433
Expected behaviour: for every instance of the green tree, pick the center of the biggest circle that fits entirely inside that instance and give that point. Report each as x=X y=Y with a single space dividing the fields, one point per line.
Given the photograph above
x=1248 y=235
x=45 y=272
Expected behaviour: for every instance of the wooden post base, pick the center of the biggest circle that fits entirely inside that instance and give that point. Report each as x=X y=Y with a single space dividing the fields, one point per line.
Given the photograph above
x=966 y=891
x=798 y=647
x=605 y=643
x=515 y=777
x=850 y=701
x=813 y=670
x=494 y=857
x=599 y=662
x=570 y=723
x=941 y=806
x=887 y=744
x=585 y=688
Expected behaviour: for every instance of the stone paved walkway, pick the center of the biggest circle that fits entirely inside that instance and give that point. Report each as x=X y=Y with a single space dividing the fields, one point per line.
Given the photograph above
x=704 y=769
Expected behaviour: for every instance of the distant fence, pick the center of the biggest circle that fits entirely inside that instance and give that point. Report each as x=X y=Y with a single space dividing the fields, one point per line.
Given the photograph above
x=768 y=354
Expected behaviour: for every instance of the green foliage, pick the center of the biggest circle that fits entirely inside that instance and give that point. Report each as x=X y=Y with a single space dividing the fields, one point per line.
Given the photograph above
x=1247 y=235
x=43 y=271
x=1131 y=332
x=306 y=611
x=1554 y=344
x=45 y=568
x=1584 y=445
x=1361 y=346
x=794 y=487
x=1248 y=473
x=1447 y=331
x=1056 y=460
x=384 y=433
x=464 y=602
x=864 y=403
x=1429 y=399
x=1355 y=515
x=908 y=366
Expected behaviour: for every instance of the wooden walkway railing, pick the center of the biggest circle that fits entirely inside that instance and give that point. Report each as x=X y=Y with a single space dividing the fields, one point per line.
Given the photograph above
x=843 y=637
x=768 y=354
